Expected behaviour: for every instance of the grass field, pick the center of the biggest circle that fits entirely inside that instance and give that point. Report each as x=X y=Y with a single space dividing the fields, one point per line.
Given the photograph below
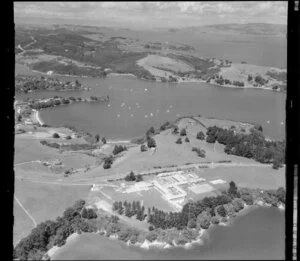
x=149 y=198
x=43 y=202
x=22 y=223
x=252 y=177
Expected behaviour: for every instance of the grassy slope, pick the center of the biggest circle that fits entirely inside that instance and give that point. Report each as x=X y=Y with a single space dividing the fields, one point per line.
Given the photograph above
x=43 y=202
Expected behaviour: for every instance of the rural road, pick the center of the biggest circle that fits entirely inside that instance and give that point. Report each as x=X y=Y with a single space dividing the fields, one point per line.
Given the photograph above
x=27 y=213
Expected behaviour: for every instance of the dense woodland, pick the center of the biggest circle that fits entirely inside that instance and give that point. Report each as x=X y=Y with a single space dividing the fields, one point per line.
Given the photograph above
x=51 y=233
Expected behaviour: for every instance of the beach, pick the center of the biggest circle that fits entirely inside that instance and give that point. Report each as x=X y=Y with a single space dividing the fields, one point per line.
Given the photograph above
x=36 y=117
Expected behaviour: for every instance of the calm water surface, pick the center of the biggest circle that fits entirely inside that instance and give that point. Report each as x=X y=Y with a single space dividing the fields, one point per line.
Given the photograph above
x=259 y=234
x=137 y=105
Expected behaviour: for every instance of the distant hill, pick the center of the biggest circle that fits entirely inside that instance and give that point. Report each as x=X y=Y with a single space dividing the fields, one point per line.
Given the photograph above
x=251 y=28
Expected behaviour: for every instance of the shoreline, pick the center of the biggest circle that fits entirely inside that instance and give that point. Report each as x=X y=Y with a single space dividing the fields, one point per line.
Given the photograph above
x=37 y=117
x=148 y=245
x=180 y=81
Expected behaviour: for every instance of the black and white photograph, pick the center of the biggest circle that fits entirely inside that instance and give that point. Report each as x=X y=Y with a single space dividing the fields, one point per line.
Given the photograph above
x=150 y=130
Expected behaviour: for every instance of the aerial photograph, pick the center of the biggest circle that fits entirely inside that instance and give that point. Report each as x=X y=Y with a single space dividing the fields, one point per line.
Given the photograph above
x=150 y=130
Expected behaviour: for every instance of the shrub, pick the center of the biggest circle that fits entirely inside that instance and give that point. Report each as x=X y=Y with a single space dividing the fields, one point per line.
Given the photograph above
x=200 y=152
x=103 y=140
x=175 y=130
x=55 y=135
x=187 y=139
x=238 y=204
x=183 y=132
x=164 y=126
x=200 y=135
x=178 y=141
x=221 y=211
x=68 y=137
x=247 y=198
x=215 y=220
x=280 y=193
x=143 y=148
x=152 y=236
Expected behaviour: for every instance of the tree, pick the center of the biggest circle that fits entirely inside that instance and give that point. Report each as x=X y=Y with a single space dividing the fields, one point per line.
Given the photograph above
x=84 y=213
x=91 y=213
x=238 y=204
x=249 y=78
x=115 y=206
x=203 y=219
x=200 y=135
x=215 y=220
x=120 y=208
x=97 y=137
x=247 y=198
x=143 y=148
x=151 y=143
x=55 y=135
x=221 y=211
x=107 y=162
x=233 y=191
x=175 y=130
x=187 y=139
x=130 y=176
x=150 y=131
x=280 y=193
x=183 y=132
x=192 y=223
x=103 y=140
x=179 y=141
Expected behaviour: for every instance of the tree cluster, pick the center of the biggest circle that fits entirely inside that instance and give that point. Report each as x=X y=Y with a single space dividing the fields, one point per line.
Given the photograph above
x=119 y=149
x=130 y=209
x=51 y=233
x=260 y=80
x=251 y=145
x=132 y=177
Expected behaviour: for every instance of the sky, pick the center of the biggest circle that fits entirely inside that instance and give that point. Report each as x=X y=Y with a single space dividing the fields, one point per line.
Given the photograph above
x=143 y=15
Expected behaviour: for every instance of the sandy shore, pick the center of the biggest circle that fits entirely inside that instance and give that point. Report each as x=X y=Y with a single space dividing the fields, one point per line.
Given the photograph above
x=36 y=117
